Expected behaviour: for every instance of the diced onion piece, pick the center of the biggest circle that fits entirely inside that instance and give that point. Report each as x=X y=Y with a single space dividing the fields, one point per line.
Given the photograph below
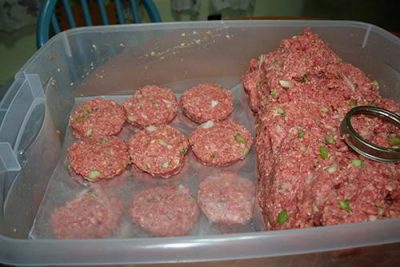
x=214 y=103
x=331 y=169
x=151 y=128
x=169 y=103
x=165 y=164
x=286 y=84
x=208 y=124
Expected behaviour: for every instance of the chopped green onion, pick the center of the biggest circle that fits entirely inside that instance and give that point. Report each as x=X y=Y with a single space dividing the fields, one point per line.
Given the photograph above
x=393 y=140
x=301 y=133
x=165 y=164
x=324 y=152
x=193 y=197
x=89 y=132
x=274 y=92
x=375 y=83
x=94 y=174
x=280 y=112
x=240 y=139
x=213 y=155
x=329 y=139
x=345 y=205
x=324 y=110
x=183 y=151
x=357 y=163
x=80 y=117
x=282 y=217
x=352 y=103
x=89 y=111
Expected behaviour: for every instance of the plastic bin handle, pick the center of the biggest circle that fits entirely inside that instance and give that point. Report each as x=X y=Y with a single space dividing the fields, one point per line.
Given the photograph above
x=16 y=108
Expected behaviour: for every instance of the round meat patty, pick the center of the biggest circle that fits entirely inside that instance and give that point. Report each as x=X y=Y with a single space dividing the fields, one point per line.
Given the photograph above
x=158 y=150
x=227 y=199
x=220 y=143
x=151 y=105
x=97 y=117
x=207 y=101
x=91 y=215
x=99 y=158
x=165 y=211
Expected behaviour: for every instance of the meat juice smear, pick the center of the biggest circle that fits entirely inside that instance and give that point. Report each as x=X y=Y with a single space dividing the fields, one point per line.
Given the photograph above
x=65 y=186
x=299 y=94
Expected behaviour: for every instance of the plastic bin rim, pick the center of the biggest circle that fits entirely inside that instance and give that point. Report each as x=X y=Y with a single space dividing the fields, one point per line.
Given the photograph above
x=201 y=241
x=225 y=24
x=219 y=237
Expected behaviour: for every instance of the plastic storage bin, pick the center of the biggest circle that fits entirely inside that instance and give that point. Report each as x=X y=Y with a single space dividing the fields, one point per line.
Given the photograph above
x=34 y=116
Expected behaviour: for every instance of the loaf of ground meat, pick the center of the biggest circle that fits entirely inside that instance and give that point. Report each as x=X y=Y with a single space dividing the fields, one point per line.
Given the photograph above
x=308 y=176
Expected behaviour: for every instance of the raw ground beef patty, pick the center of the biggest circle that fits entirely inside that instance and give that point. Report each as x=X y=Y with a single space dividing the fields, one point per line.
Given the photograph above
x=91 y=215
x=220 y=143
x=168 y=210
x=207 y=101
x=308 y=176
x=151 y=105
x=99 y=158
x=159 y=150
x=227 y=198
x=97 y=117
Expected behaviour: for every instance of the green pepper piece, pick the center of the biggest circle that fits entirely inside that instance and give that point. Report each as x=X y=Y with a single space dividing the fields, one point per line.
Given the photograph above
x=324 y=152
x=393 y=140
x=282 y=217
x=329 y=139
x=357 y=163
x=94 y=174
x=240 y=139
x=345 y=205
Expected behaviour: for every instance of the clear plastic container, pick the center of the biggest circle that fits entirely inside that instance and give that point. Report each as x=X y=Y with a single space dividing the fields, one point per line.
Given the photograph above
x=34 y=116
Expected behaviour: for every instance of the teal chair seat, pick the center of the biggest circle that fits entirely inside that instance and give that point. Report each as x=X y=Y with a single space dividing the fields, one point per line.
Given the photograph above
x=49 y=23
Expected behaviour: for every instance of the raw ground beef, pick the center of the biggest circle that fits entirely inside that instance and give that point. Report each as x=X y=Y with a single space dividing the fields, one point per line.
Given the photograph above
x=91 y=215
x=159 y=150
x=227 y=198
x=207 y=101
x=168 y=210
x=98 y=158
x=220 y=143
x=151 y=105
x=377 y=131
x=308 y=176
x=97 y=117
